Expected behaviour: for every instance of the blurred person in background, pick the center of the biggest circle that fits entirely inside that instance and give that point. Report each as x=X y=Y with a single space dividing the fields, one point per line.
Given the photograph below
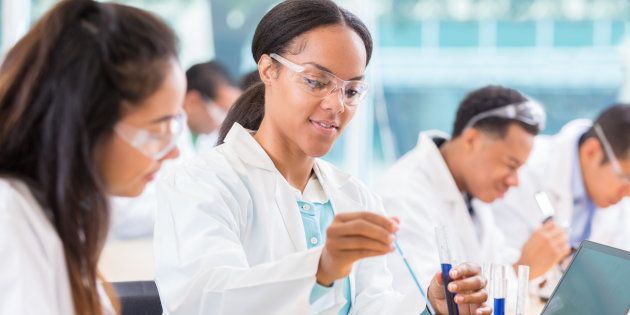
x=585 y=172
x=90 y=106
x=449 y=182
x=210 y=95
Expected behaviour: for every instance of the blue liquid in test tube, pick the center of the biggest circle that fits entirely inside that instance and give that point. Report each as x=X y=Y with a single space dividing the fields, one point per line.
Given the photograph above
x=500 y=288
x=499 y=306
x=445 y=261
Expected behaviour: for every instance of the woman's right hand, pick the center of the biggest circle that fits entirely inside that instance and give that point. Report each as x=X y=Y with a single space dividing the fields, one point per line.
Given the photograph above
x=353 y=236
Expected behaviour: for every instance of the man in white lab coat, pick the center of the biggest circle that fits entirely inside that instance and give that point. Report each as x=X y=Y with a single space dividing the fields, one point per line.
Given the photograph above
x=446 y=182
x=582 y=169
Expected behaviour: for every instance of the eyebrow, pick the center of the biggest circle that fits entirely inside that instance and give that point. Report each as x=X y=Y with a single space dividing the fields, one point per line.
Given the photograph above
x=320 y=67
x=162 y=119
x=515 y=161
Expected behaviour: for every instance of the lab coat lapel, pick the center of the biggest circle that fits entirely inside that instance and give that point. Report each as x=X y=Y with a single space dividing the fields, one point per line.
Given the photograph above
x=333 y=182
x=245 y=147
x=452 y=201
x=288 y=207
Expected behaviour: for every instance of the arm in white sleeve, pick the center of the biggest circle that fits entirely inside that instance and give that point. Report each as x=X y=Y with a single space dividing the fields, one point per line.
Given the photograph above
x=201 y=265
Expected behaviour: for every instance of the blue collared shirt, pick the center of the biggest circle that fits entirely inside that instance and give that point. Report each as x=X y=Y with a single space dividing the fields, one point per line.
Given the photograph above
x=316 y=218
x=583 y=206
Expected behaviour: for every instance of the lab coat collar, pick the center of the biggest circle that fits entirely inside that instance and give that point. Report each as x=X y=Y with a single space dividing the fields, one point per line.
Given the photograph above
x=558 y=183
x=241 y=140
x=441 y=175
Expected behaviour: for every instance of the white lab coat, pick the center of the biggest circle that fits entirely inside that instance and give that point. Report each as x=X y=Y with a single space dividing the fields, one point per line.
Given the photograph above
x=229 y=238
x=33 y=274
x=421 y=191
x=550 y=169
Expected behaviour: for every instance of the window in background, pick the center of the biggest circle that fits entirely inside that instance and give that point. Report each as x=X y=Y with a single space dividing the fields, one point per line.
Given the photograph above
x=429 y=54
x=191 y=20
x=563 y=53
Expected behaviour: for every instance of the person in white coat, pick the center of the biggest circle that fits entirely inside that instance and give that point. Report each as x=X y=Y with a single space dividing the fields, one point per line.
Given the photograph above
x=447 y=182
x=211 y=93
x=584 y=170
x=90 y=103
x=260 y=225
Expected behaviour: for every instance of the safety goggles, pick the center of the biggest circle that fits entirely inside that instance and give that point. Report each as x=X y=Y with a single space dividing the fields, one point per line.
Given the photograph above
x=614 y=162
x=528 y=112
x=153 y=144
x=320 y=83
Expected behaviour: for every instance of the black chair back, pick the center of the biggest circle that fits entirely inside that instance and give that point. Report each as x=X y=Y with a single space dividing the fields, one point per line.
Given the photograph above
x=138 y=298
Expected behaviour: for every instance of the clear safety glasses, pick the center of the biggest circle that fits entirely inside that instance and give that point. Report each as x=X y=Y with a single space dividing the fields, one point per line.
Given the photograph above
x=320 y=83
x=153 y=144
x=528 y=112
x=610 y=153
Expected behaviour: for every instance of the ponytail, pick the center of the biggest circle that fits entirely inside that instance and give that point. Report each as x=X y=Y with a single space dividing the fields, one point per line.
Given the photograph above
x=248 y=111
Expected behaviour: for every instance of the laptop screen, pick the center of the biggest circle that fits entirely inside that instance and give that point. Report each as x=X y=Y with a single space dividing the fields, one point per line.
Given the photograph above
x=597 y=282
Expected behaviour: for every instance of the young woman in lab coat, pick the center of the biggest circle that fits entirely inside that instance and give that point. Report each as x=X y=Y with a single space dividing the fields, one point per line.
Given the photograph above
x=89 y=103
x=260 y=225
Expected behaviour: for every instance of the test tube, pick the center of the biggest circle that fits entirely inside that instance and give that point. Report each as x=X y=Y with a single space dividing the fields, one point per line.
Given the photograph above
x=487 y=273
x=445 y=261
x=499 y=289
x=523 y=290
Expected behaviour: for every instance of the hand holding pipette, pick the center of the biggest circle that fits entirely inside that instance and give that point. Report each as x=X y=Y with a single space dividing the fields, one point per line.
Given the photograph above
x=351 y=237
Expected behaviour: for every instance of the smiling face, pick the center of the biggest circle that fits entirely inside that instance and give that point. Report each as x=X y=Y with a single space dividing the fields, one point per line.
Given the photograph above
x=304 y=123
x=493 y=162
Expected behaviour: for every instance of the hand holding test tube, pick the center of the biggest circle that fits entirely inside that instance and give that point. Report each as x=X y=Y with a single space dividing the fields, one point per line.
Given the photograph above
x=445 y=261
x=457 y=289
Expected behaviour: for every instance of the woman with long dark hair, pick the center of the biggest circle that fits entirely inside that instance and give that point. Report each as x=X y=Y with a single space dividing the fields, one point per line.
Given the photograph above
x=90 y=103
x=261 y=225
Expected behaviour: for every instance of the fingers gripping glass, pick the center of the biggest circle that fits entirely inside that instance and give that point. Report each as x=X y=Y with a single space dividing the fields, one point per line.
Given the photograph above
x=528 y=112
x=321 y=83
x=614 y=162
x=153 y=144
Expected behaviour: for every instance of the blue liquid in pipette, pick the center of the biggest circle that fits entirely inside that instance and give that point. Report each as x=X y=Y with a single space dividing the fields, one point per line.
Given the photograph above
x=450 y=297
x=499 y=306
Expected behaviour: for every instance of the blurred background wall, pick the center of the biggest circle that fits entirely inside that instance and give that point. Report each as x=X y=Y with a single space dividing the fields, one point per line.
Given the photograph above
x=572 y=55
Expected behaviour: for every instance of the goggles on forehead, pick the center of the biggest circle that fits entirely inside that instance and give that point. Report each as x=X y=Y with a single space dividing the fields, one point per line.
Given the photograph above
x=528 y=112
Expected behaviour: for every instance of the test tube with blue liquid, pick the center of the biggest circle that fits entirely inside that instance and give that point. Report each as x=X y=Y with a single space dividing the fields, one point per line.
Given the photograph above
x=499 y=289
x=446 y=264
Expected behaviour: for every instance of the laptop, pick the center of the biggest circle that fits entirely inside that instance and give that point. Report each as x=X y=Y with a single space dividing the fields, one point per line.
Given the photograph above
x=596 y=282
